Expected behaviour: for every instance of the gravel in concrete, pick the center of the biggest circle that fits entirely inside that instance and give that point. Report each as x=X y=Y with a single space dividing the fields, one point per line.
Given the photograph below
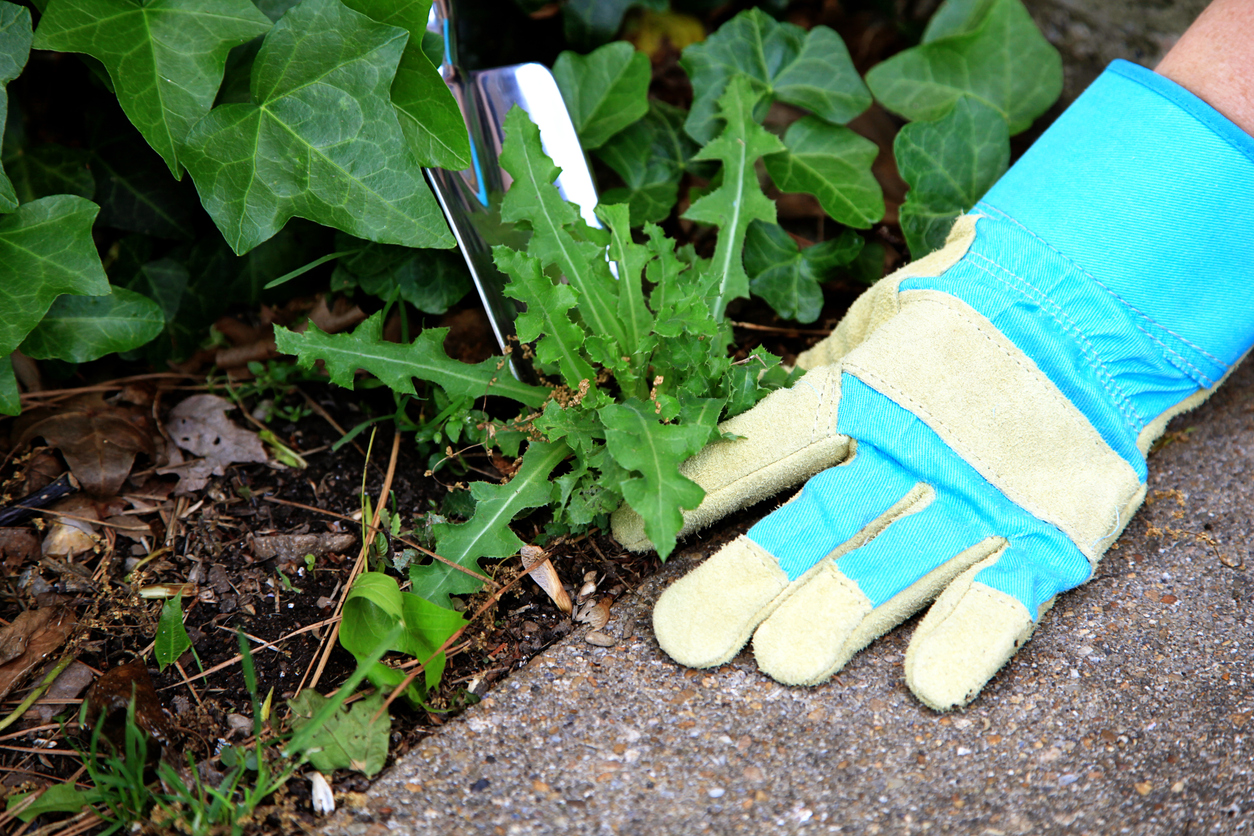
x=1131 y=711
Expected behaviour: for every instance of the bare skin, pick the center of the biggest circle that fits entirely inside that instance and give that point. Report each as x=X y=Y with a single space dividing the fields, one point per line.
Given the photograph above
x=1214 y=59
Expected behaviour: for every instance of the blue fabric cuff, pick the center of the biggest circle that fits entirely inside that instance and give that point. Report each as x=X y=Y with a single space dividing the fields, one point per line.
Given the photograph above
x=1150 y=191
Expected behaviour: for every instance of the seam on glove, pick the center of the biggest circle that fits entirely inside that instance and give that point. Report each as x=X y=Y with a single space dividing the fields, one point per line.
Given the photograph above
x=1056 y=312
x=1134 y=421
x=1098 y=282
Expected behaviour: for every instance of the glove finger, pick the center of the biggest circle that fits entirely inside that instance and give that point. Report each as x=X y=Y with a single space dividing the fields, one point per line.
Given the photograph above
x=705 y=618
x=787 y=438
x=982 y=619
x=867 y=591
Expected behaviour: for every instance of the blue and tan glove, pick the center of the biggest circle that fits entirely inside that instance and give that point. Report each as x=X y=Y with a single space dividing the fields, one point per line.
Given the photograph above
x=988 y=409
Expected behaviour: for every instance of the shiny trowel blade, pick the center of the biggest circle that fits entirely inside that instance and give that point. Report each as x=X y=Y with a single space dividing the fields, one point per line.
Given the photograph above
x=471 y=199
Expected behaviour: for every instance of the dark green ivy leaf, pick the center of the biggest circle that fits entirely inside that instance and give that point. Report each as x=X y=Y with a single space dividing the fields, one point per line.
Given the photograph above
x=605 y=90
x=589 y=23
x=949 y=164
x=320 y=140
x=430 y=118
x=44 y=169
x=832 y=163
x=808 y=69
x=15 y=41
x=650 y=155
x=788 y=277
x=164 y=57
x=430 y=280
x=45 y=250
x=1004 y=62
x=78 y=329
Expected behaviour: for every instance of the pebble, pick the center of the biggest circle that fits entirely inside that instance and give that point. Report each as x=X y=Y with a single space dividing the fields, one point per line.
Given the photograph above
x=600 y=639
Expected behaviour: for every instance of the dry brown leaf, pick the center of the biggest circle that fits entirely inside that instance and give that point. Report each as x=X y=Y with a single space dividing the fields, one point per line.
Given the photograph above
x=67 y=686
x=199 y=425
x=291 y=548
x=98 y=440
x=343 y=316
x=546 y=577
x=28 y=640
x=595 y=615
x=17 y=546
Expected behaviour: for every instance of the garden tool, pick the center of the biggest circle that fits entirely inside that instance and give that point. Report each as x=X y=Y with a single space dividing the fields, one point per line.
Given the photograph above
x=471 y=198
x=976 y=429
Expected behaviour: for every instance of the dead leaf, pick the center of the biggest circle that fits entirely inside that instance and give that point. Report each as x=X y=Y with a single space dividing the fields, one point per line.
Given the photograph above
x=17 y=546
x=343 y=316
x=98 y=440
x=199 y=425
x=546 y=577
x=28 y=640
x=291 y=548
x=67 y=686
x=108 y=698
x=73 y=534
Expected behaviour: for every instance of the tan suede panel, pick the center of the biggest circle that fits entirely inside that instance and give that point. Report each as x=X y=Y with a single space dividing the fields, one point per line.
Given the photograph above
x=987 y=400
x=787 y=438
x=705 y=617
x=878 y=304
x=970 y=632
x=817 y=630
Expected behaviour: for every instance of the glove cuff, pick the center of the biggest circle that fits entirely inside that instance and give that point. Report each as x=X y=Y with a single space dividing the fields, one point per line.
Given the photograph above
x=1149 y=191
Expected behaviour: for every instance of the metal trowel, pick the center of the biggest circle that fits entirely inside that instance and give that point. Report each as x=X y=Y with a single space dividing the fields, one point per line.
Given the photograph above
x=471 y=198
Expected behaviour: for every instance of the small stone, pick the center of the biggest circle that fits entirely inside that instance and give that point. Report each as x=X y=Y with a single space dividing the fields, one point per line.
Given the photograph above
x=1144 y=787
x=599 y=639
x=717 y=792
x=1178 y=786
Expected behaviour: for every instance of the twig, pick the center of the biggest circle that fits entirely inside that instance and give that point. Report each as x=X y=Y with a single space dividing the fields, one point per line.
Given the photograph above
x=36 y=692
x=358 y=566
x=110 y=385
x=753 y=326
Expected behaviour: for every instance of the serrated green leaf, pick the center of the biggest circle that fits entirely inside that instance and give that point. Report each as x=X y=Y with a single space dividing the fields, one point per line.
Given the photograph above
x=605 y=90
x=375 y=605
x=79 y=329
x=949 y=164
x=653 y=452
x=172 y=640
x=487 y=533
x=650 y=156
x=788 y=277
x=430 y=118
x=164 y=57
x=320 y=140
x=784 y=63
x=739 y=199
x=396 y=365
x=533 y=200
x=15 y=42
x=430 y=280
x=632 y=260
x=1004 y=62
x=832 y=163
x=45 y=250
x=351 y=739
x=547 y=317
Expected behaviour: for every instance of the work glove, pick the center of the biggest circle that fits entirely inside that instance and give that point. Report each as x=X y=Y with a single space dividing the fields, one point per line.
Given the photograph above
x=977 y=427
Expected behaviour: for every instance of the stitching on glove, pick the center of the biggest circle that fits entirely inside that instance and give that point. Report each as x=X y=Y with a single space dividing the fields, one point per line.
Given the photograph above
x=1132 y=418
x=1098 y=282
x=1183 y=365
